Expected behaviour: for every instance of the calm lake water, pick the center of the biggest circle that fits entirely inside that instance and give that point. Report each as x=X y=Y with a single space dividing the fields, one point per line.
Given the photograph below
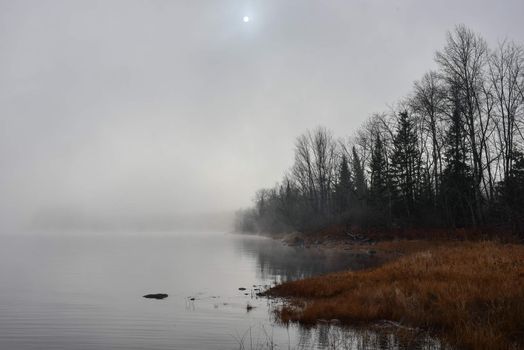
x=85 y=292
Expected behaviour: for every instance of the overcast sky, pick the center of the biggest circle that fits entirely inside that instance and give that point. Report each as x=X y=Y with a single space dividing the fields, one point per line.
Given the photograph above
x=131 y=108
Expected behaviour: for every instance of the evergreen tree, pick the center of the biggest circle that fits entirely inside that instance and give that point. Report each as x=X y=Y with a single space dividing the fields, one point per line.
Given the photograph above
x=359 y=211
x=405 y=167
x=512 y=193
x=457 y=179
x=379 y=188
x=344 y=187
x=426 y=195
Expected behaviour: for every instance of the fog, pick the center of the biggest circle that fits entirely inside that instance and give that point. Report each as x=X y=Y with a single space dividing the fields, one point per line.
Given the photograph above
x=139 y=112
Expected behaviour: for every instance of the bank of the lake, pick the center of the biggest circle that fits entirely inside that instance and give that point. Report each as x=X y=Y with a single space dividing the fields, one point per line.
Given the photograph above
x=471 y=294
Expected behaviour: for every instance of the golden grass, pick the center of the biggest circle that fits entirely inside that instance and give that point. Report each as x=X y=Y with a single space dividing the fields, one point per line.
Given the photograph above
x=470 y=294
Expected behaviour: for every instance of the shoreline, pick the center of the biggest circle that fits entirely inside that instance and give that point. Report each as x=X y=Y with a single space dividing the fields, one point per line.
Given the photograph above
x=384 y=247
x=469 y=294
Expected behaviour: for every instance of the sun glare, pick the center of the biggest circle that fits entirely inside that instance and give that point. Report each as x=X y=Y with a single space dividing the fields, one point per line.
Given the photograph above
x=245 y=19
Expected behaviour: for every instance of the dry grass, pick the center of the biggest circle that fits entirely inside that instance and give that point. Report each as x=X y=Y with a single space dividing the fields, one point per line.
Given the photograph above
x=470 y=294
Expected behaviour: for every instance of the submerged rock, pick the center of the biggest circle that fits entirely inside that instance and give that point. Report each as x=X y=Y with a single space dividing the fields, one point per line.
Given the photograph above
x=156 y=296
x=241 y=288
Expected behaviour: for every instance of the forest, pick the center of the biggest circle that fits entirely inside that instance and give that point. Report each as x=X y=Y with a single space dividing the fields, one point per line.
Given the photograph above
x=448 y=155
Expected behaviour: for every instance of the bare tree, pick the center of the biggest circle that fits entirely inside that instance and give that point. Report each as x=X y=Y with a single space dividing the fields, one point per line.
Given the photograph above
x=315 y=167
x=463 y=62
x=506 y=68
x=429 y=102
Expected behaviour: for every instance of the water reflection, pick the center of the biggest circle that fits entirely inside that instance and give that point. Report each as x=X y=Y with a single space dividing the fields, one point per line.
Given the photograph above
x=335 y=337
x=276 y=261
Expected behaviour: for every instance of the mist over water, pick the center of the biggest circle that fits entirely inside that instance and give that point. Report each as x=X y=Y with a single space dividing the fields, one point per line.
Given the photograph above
x=85 y=292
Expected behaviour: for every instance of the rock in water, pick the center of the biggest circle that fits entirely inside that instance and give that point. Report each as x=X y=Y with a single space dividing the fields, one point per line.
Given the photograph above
x=156 y=296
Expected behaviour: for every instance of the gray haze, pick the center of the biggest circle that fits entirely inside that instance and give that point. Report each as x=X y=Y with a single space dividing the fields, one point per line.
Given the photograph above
x=128 y=111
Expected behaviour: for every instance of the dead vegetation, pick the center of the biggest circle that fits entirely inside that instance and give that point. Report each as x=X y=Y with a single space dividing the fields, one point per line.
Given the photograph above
x=469 y=294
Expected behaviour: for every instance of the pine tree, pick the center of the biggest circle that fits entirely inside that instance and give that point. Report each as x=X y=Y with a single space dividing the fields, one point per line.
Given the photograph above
x=344 y=187
x=405 y=167
x=379 y=173
x=379 y=189
x=457 y=179
x=512 y=194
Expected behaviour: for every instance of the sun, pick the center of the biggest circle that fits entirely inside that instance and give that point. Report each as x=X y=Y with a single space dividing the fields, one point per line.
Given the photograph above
x=245 y=19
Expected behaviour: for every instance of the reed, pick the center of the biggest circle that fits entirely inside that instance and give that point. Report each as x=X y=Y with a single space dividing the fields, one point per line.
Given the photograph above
x=471 y=294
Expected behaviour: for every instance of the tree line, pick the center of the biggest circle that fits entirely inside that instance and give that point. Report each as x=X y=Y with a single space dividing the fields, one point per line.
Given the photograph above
x=450 y=154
